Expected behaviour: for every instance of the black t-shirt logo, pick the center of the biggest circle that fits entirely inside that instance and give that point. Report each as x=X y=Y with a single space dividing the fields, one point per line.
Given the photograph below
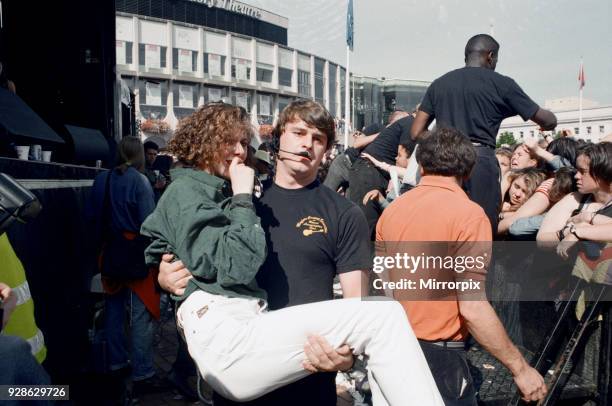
x=312 y=225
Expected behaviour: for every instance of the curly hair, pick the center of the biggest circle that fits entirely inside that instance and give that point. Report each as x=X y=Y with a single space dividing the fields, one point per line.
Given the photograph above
x=201 y=137
x=446 y=152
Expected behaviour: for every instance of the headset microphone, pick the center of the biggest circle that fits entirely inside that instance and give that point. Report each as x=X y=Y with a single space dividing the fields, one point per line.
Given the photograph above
x=303 y=154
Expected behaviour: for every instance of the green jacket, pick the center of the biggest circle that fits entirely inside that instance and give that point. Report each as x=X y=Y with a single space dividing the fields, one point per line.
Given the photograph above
x=218 y=237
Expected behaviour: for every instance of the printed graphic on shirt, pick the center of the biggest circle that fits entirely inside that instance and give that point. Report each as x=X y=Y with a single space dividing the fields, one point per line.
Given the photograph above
x=312 y=225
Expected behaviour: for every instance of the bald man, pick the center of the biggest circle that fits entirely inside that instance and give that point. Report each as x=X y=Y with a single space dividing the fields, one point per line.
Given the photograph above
x=474 y=100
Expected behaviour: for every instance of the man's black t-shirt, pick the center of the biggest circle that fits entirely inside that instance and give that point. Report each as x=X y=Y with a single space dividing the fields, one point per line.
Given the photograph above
x=384 y=147
x=312 y=234
x=475 y=100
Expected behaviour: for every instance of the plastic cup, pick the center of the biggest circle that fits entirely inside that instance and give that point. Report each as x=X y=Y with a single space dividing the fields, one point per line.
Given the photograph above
x=35 y=152
x=46 y=156
x=22 y=151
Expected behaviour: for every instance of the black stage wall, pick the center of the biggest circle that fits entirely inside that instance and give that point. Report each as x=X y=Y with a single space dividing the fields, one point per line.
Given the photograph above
x=61 y=56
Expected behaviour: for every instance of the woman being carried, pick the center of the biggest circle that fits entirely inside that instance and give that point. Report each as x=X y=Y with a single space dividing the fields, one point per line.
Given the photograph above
x=241 y=350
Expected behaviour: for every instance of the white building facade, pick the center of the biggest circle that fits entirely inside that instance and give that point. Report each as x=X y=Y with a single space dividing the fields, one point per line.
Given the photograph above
x=596 y=124
x=173 y=67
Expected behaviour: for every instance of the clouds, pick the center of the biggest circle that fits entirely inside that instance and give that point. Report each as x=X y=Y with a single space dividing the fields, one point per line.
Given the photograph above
x=541 y=42
x=442 y=14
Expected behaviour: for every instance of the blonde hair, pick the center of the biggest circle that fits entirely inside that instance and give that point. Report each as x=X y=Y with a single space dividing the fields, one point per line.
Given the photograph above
x=130 y=152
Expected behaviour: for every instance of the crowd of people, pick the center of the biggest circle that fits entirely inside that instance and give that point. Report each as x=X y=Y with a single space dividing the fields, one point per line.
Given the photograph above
x=249 y=242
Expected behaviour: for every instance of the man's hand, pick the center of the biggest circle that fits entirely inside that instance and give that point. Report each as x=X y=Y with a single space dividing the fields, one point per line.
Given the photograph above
x=323 y=358
x=173 y=276
x=9 y=302
x=241 y=176
x=373 y=195
x=531 y=384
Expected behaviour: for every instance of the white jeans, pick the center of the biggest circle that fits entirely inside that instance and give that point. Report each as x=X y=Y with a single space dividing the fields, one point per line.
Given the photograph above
x=244 y=352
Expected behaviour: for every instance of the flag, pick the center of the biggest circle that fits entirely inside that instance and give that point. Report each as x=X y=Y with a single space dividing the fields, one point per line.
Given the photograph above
x=581 y=79
x=349 y=25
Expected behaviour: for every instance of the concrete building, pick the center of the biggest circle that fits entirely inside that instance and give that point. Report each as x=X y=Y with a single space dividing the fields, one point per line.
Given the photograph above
x=175 y=55
x=596 y=120
x=376 y=98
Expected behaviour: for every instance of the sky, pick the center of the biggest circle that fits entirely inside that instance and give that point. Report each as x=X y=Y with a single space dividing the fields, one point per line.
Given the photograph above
x=542 y=41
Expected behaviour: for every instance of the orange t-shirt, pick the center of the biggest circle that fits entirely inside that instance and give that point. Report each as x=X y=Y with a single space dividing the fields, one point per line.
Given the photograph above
x=436 y=210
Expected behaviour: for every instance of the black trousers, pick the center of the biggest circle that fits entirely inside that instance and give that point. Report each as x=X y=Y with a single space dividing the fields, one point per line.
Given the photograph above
x=483 y=186
x=364 y=177
x=451 y=372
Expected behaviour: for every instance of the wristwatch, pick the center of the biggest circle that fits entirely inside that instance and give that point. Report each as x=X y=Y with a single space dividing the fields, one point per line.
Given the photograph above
x=572 y=230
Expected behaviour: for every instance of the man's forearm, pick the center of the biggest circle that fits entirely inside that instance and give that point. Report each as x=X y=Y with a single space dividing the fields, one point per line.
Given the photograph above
x=485 y=326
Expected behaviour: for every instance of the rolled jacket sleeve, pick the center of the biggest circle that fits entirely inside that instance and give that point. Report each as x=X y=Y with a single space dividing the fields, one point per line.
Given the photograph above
x=229 y=248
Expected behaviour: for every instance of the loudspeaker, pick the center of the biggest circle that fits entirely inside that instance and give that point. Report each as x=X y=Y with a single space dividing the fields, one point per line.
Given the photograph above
x=89 y=145
x=65 y=69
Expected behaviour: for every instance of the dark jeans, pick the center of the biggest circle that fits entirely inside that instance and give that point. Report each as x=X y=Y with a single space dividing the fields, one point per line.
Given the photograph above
x=483 y=186
x=19 y=367
x=338 y=173
x=365 y=177
x=451 y=372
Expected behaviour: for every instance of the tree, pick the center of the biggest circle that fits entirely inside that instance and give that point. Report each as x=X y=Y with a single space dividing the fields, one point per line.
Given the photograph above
x=506 y=138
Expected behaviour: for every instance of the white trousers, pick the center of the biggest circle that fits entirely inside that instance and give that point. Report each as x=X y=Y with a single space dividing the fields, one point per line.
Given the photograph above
x=244 y=352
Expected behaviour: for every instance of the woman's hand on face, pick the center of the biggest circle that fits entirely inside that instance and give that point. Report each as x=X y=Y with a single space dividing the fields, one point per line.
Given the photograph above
x=242 y=177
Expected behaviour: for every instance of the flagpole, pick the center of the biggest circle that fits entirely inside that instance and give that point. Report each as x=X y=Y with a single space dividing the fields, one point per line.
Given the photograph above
x=347 y=95
x=580 y=112
x=581 y=77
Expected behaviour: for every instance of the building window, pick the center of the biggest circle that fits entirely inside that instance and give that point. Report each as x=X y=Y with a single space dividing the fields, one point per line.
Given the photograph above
x=214 y=65
x=576 y=130
x=332 y=89
x=242 y=99
x=184 y=60
x=264 y=73
x=264 y=109
x=304 y=83
x=124 y=52
x=283 y=102
x=284 y=76
x=241 y=69
x=215 y=94
x=532 y=133
x=319 y=80
x=522 y=135
x=152 y=56
x=153 y=95
x=588 y=130
x=601 y=129
x=186 y=97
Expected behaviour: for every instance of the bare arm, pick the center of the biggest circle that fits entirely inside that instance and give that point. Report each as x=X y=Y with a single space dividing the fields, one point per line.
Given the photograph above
x=484 y=325
x=537 y=204
x=354 y=284
x=545 y=118
x=322 y=357
x=597 y=232
x=555 y=220
x=420 y=124
x=532 y=144
x=364 y=141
